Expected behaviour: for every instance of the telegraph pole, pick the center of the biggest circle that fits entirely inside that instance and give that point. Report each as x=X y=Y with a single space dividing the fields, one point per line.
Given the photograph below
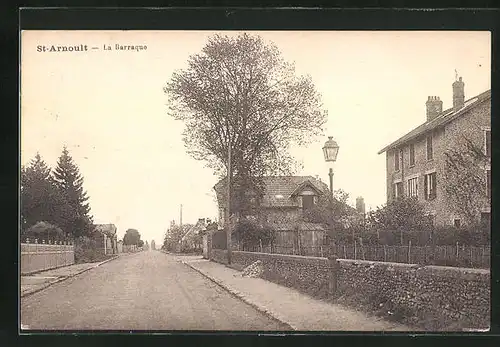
x=180 y=221
x=228 y=207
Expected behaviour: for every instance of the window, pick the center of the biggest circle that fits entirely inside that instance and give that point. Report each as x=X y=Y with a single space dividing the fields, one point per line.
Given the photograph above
x=429 y=147
x=430 y=186
x=396 y=160
x=456 y=223
x=398 y=190
x=485 y=219
x=431 y=218
x=487 y=143
x=413 y=187
x=412 y=154
x=488 y=183
x=307 y=202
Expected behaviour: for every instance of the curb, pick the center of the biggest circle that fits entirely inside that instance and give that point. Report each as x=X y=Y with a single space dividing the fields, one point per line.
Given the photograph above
x=242 y=297
x=28 y=293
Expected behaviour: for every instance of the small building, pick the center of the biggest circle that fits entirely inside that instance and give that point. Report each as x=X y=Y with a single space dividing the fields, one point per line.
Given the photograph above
x=284 y=204
x=107 y=233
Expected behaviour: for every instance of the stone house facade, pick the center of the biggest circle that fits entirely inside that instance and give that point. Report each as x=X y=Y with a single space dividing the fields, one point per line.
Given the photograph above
x=415 y=163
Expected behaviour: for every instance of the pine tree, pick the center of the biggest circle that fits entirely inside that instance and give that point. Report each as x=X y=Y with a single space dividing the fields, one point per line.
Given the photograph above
x=69 y=182
x=39 y=196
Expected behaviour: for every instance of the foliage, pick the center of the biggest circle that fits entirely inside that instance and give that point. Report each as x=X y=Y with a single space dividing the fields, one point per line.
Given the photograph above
x=89 y=250
x=405 y=213
x=69 y=182
x=472 y=235
x=239 y=93
x=464 y=178
x=45 y=231
x=334 y=212
x=250 y=234
x=40 y=199
x=174 y=235
x=132 y=237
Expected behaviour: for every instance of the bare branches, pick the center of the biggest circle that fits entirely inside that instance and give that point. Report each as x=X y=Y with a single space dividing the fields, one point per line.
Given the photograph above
x=465 y=178
x=239 y=92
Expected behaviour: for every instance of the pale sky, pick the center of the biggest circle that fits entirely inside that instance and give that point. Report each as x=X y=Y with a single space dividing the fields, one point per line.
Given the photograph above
x=109 y=109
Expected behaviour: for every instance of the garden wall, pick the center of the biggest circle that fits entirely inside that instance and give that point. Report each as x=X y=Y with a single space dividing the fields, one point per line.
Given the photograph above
x=429 y=297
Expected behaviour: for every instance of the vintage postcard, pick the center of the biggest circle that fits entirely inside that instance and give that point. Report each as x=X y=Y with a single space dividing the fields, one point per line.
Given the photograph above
x=255 y=180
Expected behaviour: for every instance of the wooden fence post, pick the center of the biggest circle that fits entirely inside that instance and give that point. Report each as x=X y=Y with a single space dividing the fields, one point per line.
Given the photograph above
x=345 y=254
x=321 y=250
x=445 y=247
x=471 y=263
x=354 y=249
x=457 y=251
x=385 y=254
x=482 y=255
x=409 y=252
x=260 y=245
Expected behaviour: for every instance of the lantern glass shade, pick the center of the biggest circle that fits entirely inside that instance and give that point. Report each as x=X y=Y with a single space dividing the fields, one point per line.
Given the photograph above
x=330 y=150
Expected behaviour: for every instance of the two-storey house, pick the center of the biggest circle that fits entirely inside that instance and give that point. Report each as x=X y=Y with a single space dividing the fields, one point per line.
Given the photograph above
x=415 y=163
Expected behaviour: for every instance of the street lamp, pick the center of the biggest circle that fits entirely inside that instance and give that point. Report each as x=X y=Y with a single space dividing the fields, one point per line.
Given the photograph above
x=330 y=151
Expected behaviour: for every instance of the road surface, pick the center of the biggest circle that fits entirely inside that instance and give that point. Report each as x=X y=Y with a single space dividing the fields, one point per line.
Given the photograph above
x=141 y=291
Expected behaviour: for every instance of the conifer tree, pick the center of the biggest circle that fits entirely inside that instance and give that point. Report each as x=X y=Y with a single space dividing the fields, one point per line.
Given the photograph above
x=69 y=182
x=39 y=197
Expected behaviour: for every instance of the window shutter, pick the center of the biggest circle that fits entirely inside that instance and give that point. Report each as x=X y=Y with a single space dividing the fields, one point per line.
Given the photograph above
x=426 y=187
x=433 y=185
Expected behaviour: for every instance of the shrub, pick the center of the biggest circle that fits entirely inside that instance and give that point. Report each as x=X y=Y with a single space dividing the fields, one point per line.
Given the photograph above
x=89 y=250
x=250 y=234
x=44 y=231
x=468 y=235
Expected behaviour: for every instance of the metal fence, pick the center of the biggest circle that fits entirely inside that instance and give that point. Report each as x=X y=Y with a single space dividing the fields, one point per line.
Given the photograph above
x=452 y=255
x=41 y=256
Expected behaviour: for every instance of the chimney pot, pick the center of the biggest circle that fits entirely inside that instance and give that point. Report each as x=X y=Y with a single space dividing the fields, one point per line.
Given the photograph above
x=434 y=107
x=458 y=93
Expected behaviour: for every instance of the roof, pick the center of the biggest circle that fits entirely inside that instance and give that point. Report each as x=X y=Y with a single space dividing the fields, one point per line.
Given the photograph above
x=301 y=225
x=444 y=118
x=108 y=229
x=199 y=226
x=278 y=190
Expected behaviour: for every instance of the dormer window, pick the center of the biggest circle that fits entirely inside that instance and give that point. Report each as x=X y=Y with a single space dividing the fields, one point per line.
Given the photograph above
x=307 y=202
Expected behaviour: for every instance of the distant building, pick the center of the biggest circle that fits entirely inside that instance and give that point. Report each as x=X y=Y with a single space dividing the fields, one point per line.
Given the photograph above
x=360 y=205
x=107 y=233
x=415 y=163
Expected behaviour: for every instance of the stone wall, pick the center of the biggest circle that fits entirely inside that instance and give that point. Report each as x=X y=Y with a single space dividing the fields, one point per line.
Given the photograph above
x=429 y=297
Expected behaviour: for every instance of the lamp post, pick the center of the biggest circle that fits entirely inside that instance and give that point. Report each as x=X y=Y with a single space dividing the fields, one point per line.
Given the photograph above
x=330 y=151
x=228 y=207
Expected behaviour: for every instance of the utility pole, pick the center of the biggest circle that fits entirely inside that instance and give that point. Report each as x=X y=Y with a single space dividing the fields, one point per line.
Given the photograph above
x=180 y=222
x=228 y=207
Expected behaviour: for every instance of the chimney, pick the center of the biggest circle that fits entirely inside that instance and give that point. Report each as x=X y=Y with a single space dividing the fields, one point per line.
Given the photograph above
x=458 y=94
x=434 y=107
x=360 y=205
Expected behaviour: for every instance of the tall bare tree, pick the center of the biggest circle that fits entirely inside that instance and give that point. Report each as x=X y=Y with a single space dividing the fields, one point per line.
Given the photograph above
x=240 y=93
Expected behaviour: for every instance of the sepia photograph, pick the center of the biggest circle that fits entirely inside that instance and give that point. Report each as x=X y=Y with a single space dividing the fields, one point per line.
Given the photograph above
x=260 y=181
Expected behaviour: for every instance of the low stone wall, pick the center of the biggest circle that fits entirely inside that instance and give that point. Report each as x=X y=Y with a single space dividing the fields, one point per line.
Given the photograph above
x=307 y=274
x=431 y=297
